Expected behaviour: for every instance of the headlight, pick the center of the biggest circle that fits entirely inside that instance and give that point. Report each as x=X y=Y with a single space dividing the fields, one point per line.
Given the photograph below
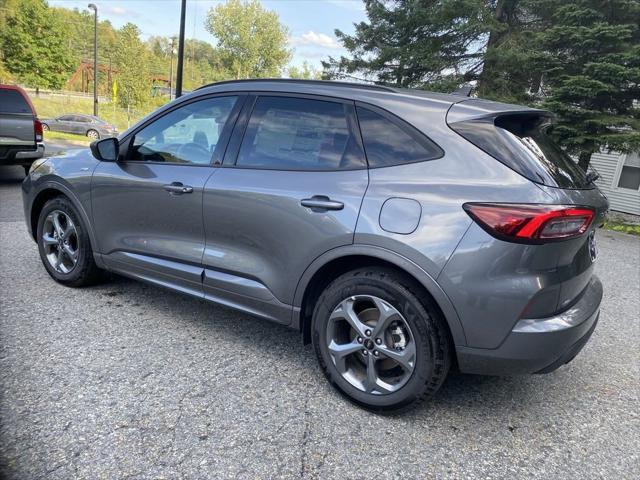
x=36 y=164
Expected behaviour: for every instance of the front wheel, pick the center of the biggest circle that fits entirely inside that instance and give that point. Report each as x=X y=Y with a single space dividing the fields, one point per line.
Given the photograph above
x=379 y=342
x=64 y=246
x=93 y=135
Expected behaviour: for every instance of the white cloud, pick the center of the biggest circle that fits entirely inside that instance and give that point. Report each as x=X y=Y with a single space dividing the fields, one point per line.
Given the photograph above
x=354 y=5
x=314 y=39
x=118 y=11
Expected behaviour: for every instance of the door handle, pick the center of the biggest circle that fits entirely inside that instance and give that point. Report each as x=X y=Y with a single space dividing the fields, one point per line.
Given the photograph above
x=177 y=188
x=321 y=203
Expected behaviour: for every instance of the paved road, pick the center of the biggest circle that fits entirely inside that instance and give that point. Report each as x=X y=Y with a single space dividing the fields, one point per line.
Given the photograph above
x=125 y=380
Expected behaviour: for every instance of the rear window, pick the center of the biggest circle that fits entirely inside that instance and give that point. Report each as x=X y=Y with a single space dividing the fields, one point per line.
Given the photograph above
x=12 y=101
x=386 y=143
x=522 y=142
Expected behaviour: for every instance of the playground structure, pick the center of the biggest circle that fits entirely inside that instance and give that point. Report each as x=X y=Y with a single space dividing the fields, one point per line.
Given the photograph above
x=82 y=78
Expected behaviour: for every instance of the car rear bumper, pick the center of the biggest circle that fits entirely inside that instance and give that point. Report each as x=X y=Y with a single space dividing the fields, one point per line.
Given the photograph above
x=21 y=156
x=539 y=345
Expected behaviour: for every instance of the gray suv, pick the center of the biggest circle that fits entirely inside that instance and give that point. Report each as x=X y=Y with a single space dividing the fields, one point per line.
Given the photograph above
x=403 y=233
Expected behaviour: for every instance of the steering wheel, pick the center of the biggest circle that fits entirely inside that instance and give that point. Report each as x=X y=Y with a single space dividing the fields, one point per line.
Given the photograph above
x=193 y=153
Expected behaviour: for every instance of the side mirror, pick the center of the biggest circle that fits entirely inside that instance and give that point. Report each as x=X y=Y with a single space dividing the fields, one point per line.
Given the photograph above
x=106 y=150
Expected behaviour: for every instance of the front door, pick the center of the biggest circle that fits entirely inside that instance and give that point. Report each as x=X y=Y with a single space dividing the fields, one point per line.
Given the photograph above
x=147 y=207
x=292 y=191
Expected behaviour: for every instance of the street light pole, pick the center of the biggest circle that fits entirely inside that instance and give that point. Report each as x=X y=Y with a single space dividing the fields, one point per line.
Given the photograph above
x=173 y=52
x=93 y=7
x=180 y=50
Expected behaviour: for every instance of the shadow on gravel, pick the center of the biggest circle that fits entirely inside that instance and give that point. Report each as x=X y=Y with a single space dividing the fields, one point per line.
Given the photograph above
x=11 y=174
x=482 y=394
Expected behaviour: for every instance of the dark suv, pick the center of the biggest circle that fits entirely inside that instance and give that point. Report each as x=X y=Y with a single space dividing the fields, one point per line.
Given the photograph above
x=401 y=232
x=20 y=129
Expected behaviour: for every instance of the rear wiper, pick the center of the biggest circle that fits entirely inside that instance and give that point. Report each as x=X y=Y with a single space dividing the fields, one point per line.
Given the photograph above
x=592 y=176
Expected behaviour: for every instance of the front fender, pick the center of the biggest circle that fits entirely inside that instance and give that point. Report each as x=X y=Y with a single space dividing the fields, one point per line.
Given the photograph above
x=69 y=176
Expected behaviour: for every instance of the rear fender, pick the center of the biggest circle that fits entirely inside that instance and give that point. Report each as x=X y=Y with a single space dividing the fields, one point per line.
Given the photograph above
x=404 y=264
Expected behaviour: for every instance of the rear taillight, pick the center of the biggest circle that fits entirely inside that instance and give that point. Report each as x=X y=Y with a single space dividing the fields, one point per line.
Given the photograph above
x=37 y=127
x=531 y=223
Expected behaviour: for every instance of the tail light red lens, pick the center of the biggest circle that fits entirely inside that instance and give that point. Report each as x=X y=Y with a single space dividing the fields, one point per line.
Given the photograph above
x=37 y=126
x=531 y=223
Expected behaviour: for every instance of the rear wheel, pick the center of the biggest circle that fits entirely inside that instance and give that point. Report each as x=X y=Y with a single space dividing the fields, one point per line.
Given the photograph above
x=45 y=127
x=64 y=246
x=378 y=342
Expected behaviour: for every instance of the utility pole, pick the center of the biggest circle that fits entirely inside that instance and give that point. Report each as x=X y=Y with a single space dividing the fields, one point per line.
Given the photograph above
x=173 y=52
x=180 y=50
x=93 y=7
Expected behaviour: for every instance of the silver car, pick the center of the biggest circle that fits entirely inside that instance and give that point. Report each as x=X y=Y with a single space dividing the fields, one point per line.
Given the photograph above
x=403 y=233
x=80 y=124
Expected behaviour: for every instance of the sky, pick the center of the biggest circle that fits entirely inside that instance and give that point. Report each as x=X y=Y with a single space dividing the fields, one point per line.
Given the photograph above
x=311 y=23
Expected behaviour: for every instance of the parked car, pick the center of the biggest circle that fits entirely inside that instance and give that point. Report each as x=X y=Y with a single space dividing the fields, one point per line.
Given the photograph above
x=88 y=125
x=20 y=129
x=401 y=232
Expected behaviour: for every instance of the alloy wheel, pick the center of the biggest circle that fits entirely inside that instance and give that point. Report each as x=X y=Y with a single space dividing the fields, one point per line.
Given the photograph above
x=93 y=134
x=371 y=344
x=60 y=242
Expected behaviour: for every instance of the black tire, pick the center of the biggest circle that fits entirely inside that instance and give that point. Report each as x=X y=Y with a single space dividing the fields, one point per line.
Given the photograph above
x=85 y=271
x=93 y=134
x=427 y=326
x=45 y=127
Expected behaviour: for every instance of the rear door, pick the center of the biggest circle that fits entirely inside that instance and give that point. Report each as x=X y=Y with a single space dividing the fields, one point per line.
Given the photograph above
x=290 y=189
x=80 y=124
x=147 y=207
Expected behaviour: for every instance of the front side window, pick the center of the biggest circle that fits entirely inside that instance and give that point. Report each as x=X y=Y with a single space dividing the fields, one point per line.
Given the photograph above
x=630 y=174
x=387 y=144
x=287 y=133
x=187 y=135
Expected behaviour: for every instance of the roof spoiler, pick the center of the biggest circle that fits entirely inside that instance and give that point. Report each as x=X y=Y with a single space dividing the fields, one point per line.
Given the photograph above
x=464 y=90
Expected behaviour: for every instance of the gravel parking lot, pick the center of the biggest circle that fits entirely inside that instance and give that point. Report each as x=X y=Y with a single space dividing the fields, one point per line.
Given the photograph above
x=125 y=380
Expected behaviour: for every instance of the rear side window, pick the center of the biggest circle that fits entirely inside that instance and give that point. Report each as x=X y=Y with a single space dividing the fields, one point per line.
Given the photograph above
x=386 y=143
x=12 y=101
x=287 y=133
x=521 y=142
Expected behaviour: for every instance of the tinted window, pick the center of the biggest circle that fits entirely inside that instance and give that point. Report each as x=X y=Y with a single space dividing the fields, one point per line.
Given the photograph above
x=188 y=134
x=78 y=118
x=386 y=143
x=66 y=118
x=630 y=174
x=12 y=101
x=299 y=134
x=521 y=142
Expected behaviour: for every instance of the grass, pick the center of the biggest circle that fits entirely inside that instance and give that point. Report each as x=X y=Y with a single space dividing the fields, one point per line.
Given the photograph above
x=630 y=228
x=67 y=137
x=50 y=106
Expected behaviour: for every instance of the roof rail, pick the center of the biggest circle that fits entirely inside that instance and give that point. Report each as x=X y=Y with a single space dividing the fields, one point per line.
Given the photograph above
x=301 y=81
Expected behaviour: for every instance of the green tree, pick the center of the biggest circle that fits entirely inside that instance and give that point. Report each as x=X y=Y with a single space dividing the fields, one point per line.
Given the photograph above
x=132 y=62
x=591 y=56
x=306 y=72
x=33 y=45
x=414 y=43
x=251 y=40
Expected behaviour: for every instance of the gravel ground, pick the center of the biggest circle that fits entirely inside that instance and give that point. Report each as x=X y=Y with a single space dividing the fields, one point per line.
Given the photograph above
x=125 y=380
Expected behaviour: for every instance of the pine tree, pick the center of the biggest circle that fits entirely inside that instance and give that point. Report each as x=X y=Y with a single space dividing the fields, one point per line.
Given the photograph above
x=415 y=43
x=591 y=57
